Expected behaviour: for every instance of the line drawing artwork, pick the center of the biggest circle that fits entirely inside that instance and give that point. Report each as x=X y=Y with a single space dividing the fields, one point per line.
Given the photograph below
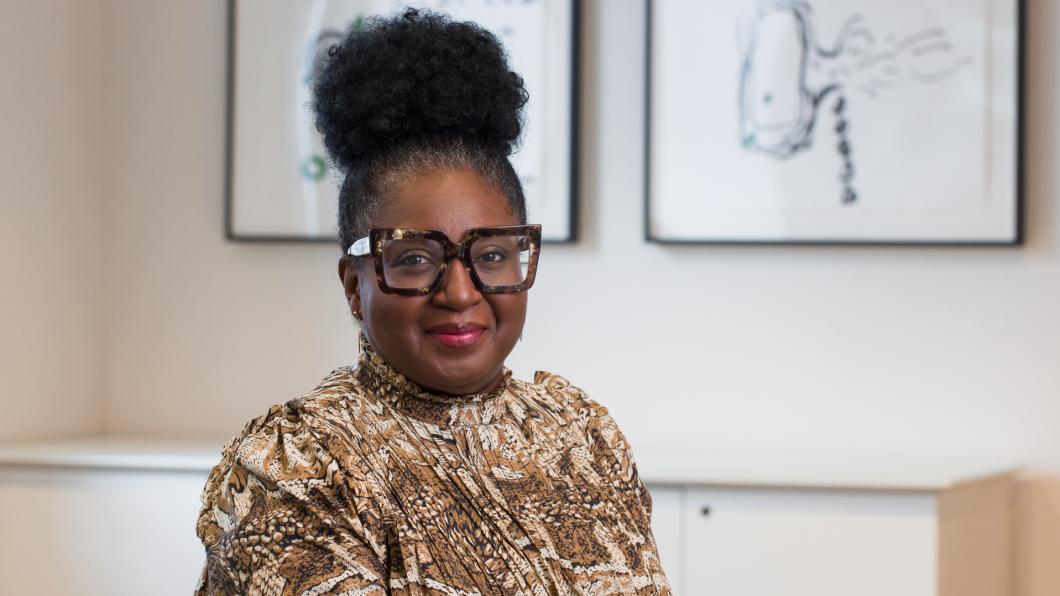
x=313 y=164
x=789 y=80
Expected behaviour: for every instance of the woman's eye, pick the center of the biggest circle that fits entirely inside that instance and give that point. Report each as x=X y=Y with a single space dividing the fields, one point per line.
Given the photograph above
x=493 y=256
x=412 y=260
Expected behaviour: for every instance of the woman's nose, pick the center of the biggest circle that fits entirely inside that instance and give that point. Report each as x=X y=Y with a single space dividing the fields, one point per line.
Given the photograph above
x=458 y=291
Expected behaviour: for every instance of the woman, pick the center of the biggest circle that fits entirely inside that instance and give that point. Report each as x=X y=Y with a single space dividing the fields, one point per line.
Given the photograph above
x=428 y=468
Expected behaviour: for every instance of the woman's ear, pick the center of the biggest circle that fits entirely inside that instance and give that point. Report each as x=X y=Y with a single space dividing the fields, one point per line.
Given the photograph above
x=348 y=276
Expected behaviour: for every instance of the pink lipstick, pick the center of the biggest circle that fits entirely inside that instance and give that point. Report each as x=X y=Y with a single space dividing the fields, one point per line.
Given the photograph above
x=456 y=335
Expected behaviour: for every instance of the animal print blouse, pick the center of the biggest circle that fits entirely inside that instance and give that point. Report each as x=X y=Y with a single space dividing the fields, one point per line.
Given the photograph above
x=371 y=485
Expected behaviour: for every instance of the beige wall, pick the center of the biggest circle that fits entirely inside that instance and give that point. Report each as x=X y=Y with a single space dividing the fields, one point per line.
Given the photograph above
x=206 y=332
x=53 y=155
x=883 y=352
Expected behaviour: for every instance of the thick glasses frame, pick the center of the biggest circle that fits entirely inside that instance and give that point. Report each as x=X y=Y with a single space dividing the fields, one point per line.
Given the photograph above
x=377 y=237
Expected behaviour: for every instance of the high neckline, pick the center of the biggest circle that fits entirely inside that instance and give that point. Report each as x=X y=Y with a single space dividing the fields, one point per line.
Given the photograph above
x=395 y=388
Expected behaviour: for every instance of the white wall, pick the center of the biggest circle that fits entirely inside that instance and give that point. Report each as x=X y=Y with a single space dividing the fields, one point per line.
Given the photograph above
x=883 y=352
x=53 y=153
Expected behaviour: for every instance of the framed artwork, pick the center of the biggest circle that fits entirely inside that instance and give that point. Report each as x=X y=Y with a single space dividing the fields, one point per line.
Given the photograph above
x=834 y=121
x=281 y=185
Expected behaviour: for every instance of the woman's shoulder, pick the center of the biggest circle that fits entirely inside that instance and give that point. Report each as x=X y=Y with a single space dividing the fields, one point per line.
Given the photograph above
x=571 y=405
x=283 y=426
x=288 y=424
x=604 y=439
x=294 y=422
x=564 y=394
x=277 y=452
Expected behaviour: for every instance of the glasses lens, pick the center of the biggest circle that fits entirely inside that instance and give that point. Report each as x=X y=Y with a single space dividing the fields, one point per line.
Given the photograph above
x=501 y=260
x=411 y=263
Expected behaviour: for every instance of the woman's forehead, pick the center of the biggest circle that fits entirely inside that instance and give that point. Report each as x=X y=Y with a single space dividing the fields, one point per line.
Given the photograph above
x=452 y=201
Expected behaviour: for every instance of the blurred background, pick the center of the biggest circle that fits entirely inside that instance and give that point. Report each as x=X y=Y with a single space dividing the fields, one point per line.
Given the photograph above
x=798 y=409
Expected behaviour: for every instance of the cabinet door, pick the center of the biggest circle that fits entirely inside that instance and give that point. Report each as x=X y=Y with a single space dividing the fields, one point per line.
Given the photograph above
x=667 y=525
x=99 y=532
x=764 y=542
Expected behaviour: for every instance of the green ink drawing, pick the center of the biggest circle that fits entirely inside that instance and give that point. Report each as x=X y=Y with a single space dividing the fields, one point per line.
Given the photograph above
x=314 y=168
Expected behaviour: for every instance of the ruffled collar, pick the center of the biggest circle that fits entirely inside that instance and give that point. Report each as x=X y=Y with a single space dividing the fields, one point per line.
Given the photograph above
x=376 y=375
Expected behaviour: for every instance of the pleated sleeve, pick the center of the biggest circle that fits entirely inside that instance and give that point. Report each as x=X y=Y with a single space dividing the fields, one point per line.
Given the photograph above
x=276 y=516
x=612 y=457
x=610 y=450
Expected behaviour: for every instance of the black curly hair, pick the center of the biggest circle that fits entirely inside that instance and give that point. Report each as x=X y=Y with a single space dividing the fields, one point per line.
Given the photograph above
x=415 y=92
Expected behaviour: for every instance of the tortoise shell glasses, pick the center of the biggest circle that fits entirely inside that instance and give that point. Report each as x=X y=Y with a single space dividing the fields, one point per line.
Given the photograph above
x=409 y=262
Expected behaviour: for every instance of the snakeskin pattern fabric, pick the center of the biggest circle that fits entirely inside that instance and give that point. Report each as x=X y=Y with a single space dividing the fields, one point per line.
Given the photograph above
x=371 y=485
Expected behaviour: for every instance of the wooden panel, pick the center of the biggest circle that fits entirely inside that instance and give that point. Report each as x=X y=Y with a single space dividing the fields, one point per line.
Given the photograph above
x=975 y=531
x=1037 y=547
x=1000 y=536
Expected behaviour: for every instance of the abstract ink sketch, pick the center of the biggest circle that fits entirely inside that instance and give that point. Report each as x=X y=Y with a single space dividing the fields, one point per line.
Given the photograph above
x=788 y=78
x=313 y=165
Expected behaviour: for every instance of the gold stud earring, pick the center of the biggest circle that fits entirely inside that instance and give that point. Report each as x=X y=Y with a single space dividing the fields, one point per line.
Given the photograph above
x=357 y=314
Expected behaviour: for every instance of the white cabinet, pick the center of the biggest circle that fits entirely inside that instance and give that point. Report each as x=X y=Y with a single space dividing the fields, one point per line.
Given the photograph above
x=99 y=531
x=116 y=518
x=806 y=542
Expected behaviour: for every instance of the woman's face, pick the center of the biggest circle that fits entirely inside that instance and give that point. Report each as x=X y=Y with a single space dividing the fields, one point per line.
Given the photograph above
x=409 y=332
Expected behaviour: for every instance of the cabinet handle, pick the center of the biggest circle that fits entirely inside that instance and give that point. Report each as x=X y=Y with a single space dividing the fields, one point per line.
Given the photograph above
x=705 y=510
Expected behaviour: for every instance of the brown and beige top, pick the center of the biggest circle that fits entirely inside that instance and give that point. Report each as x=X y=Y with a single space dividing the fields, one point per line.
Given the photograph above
x=371 y=485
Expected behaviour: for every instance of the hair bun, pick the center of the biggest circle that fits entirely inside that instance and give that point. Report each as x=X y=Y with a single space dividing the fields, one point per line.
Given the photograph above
x=420 y=78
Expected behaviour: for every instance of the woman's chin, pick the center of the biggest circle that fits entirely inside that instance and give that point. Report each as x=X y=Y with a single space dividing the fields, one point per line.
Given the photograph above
x=462 y=378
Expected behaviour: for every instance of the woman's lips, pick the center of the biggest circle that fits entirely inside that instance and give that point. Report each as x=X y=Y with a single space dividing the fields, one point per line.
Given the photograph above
x=456 y=336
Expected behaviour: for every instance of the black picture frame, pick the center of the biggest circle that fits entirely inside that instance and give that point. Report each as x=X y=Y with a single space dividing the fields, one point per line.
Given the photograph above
x=1015 y=239
x=569 y=232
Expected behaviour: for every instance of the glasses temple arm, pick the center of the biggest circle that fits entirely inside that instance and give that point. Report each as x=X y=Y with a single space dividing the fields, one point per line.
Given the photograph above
x=359 y=248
